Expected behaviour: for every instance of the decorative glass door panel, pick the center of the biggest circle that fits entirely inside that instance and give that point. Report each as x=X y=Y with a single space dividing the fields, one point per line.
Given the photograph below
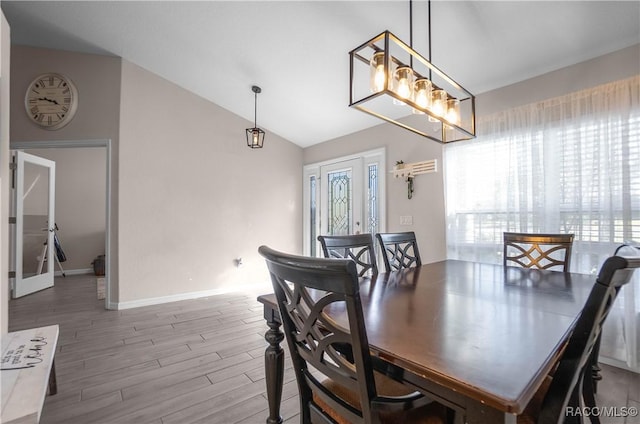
x=340 y=207
x=341 y=203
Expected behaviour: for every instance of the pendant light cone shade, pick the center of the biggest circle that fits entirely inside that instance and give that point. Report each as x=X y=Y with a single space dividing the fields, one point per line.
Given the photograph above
x=386 y=72
x=255 y=135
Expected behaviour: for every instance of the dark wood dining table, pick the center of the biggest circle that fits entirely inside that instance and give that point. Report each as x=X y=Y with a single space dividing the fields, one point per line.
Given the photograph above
x=480 y=338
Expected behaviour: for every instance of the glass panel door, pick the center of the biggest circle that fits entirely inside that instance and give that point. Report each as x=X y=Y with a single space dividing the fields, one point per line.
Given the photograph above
x=34 y=204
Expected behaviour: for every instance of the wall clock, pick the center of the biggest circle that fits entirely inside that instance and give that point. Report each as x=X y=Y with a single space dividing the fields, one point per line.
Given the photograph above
x=51 y=101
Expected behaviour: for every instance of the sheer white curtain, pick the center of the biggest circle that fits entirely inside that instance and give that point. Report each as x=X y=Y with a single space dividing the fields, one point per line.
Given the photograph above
x=570 y=164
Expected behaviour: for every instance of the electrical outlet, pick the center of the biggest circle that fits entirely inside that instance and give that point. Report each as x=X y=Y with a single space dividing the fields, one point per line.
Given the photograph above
x=406 y=220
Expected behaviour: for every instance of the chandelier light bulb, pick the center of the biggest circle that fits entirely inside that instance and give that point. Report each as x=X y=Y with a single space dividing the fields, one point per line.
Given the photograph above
x=403 y=82
x=422 y=94
x=438 y=103
x=378 y=74
x=453 y=111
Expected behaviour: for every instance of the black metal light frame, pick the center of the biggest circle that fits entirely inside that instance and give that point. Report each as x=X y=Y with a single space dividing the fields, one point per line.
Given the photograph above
x=255 y=135
x=420 y=120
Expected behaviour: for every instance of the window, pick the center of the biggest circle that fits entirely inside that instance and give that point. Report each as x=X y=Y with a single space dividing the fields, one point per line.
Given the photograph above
x=566 y=165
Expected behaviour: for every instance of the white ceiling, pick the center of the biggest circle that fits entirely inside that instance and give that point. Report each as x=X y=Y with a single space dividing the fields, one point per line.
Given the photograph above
x=297 y=51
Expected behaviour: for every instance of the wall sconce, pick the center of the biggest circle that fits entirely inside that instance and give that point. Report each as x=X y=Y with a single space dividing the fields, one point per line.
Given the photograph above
x=410 y=170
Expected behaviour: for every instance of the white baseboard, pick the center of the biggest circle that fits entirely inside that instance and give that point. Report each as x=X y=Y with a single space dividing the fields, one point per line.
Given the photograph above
x=617 y=363
x=250 y=288
x=74 y=272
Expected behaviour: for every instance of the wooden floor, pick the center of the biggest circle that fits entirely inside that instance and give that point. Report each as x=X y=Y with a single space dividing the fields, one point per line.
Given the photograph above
x=193 y=361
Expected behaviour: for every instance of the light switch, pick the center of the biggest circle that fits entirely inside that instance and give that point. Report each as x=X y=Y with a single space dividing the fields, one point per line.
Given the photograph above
x=406 y=220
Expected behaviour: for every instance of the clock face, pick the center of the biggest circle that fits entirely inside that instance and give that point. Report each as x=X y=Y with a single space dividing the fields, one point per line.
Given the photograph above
x=51 y=101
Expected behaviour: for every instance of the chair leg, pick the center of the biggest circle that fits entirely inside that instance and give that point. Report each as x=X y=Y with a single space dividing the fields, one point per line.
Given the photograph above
x=574 y=404
x=595 y=368
x=588 y=395
x=588 y=392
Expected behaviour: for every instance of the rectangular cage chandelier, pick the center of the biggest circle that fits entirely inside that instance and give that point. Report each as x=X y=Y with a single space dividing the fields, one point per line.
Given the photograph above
x=391 y=81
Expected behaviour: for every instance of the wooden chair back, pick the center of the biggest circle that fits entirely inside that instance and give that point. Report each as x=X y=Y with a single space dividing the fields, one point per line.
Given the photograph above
x=543 y=251
x=305 y=289
x=399 y=250
x=358 y=247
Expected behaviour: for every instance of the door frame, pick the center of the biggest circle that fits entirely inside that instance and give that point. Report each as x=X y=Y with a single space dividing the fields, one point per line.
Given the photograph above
x=313 y=169
x=106 y=143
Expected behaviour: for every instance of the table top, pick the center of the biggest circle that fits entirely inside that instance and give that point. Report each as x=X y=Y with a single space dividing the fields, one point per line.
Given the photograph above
x=24 y=388
x=487 y=331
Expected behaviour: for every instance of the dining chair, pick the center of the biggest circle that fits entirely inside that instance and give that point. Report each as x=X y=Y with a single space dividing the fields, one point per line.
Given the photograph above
x=571 y=384
x=399 y=250
x=358 y=247
x=543 y=251
x=627 y=249
x=338 y=384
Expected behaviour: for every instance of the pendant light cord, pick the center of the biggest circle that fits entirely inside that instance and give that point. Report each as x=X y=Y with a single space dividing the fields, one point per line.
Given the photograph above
x=255 y=110
x=411 y=24
x=411 y=31
x=429 y=33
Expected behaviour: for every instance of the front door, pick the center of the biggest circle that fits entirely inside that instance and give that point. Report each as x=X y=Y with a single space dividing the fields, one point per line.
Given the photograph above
x=343 y=196
x=33 y=208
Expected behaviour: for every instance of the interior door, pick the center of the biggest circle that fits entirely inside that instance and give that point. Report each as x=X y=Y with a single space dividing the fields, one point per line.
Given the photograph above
x=33 y=208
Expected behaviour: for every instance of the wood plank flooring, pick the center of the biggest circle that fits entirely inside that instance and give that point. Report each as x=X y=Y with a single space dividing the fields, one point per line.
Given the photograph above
x=193 y=361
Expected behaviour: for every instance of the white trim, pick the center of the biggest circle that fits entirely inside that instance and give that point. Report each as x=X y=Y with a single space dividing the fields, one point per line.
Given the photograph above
x=187 y=296
x=82 y=271
x=379 y=151
x=307 y=173
x=105 y=142
x=616 y=363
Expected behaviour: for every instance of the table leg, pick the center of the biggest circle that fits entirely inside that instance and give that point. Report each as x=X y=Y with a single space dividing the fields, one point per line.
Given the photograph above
x=53 y=384
x=274 y=370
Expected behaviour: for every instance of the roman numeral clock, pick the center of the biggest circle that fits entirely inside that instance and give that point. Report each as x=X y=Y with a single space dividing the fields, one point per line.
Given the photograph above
x=51 y=101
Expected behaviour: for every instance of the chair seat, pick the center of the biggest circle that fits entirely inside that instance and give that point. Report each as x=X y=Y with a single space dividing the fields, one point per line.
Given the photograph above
x=432 y=413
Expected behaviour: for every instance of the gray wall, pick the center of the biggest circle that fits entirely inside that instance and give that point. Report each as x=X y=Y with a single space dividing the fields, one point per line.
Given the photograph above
x=600 y=70
x=194 y=197
x=188 y=196
x=97 y=79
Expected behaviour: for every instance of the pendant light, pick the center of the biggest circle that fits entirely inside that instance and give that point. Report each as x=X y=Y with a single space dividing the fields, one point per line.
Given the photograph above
x=255 y=135
x=385 y=72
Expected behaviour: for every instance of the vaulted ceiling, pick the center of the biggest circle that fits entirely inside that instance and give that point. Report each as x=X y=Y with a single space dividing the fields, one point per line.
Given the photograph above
x=297 y=51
